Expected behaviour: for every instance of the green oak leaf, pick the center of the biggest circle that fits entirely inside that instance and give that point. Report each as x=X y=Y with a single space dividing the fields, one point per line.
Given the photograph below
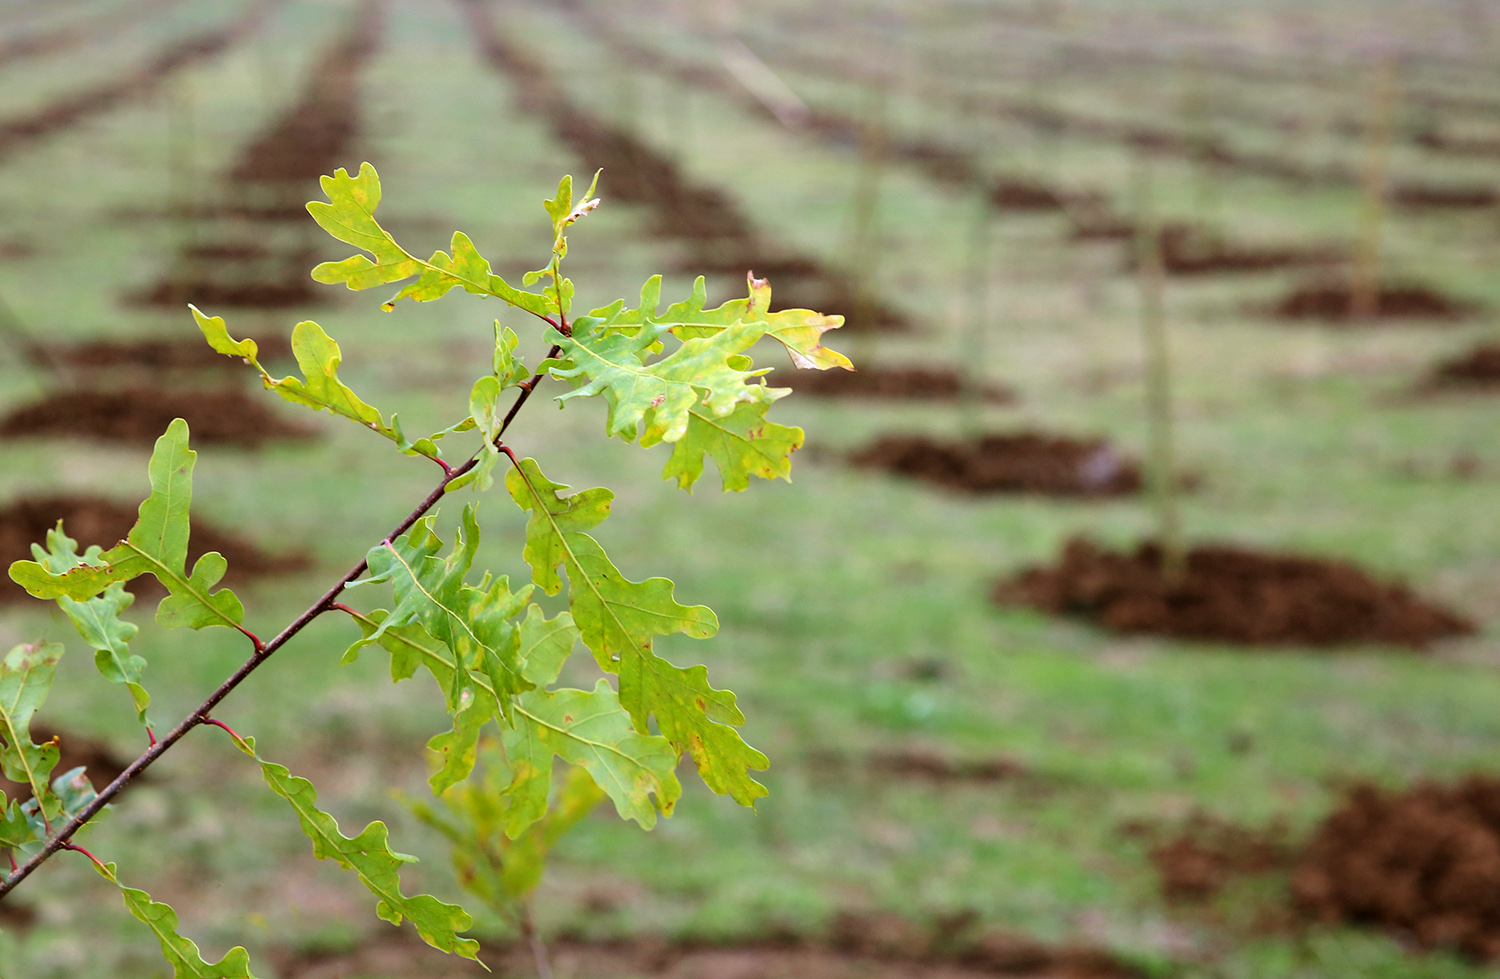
x=157 y=544
x=742 y=444
x=369 y=855
x=216 y=332
x=698 y=373
x=61 y=571
x=183 y=955
x=26 y=676
x=588 y=729
x=546 y=644
x=15 y=828
x=526 y=857
x=98 y=622
x=349 y=216
x=618 y=620
x=509 y=369
x=800 y=331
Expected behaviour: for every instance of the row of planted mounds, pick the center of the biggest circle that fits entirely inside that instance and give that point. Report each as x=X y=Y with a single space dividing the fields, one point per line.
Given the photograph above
x=269 y=181
x=138 y=416
x=1331 y=300
x=1018 y=462
x=721 y=238
x=96 y=520
x=926 y=383
x=1422 y=864
x=1188 y=250
x=1231 y=594
x=853 y=946
x=73 y=108
x=154 y=355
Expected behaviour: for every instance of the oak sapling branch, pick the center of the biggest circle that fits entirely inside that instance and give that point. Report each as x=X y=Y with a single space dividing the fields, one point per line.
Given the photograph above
x=680 y=375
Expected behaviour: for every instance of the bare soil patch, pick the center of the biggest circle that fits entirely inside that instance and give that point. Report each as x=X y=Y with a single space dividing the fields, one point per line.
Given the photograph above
x=1444 y=196
x=931 y=383
x=157 y=354
x=1232 y=594
x=1423 y=863
x=1200 y=857
x=1479 y=368
x=101 y=763
x=1330 y=301
x=214 y=292
x=140 y=415
x=1020 y=462
x=928 y=765
x=1187 y=250
x=97 y=520
x=855 y=947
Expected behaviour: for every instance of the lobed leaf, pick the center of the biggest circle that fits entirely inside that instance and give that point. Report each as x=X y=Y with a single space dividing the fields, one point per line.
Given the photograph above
x=742 y=444
x=183 y=955
x=26 y=676
x=618 y=620
x=659 y=394
x=349 y=215
x=800 y=331
x=369 y=855
x=98 y=622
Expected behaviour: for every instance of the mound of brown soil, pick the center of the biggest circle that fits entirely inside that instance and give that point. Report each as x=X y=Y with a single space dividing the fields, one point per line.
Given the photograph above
x=1021 y=194
x=140 y=415
x=1197 y=860
x=212 y=292
x=1187 y=250
x=101 y=763
x=1023 y=462
x=1480 y=367
x=1436 y=196
x=1424 y=863
x=94 y=520
x=856 y=947
x=873 y=381
x=157 y=355
x=1330 y=301
x=1231 y=594
x=932 y=766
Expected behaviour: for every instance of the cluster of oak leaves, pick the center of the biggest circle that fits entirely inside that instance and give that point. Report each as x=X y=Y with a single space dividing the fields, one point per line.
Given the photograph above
x=680 y=375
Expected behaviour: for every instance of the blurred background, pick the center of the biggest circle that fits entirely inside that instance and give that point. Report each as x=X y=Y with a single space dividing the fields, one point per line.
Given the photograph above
x=1132 y=611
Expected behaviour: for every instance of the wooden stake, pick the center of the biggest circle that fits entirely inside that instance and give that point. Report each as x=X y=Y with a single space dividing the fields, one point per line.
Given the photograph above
x=1162 y=467
x=1364 y=279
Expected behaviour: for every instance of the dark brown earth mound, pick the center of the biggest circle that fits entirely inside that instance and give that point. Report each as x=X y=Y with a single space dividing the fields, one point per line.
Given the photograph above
x=101 y=763
x=1187 y=250
x=1480 y=367
x=157 y=354
x=933 y=766
x=1441 y=196
x=1424 y=863
x=855 y=947
x=1021 y=194
x=93 y=520
x=1022 y=462
x=1205 y=853
x=1331 y=301
x=140 y=415
x=286 y=292
x=1231 y=594
x=916 y=383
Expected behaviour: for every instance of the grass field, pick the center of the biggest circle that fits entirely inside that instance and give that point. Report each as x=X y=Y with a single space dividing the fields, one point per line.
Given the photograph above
x=856 y=622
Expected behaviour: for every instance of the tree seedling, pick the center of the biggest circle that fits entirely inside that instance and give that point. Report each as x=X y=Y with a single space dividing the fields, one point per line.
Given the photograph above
x=680 y=375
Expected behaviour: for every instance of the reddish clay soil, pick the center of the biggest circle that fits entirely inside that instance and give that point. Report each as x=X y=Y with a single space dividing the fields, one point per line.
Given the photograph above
x=1330 y=301
x=1479 y=368
x=1423 y=863
x=885 y=383
x=140 y=415
x=156 y=354
x=94 y=520
x=1231 y=594
x=1021 y=462
x=72 y=109
x=101 y=763
x=721 y=238
x=854 y=947
x=1205 y=853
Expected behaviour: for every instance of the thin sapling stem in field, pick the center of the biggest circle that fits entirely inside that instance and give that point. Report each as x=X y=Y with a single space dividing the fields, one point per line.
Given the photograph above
x=1162 y=468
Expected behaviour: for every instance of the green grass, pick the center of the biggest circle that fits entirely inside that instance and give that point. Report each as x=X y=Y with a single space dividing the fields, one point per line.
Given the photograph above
x=830 y=590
